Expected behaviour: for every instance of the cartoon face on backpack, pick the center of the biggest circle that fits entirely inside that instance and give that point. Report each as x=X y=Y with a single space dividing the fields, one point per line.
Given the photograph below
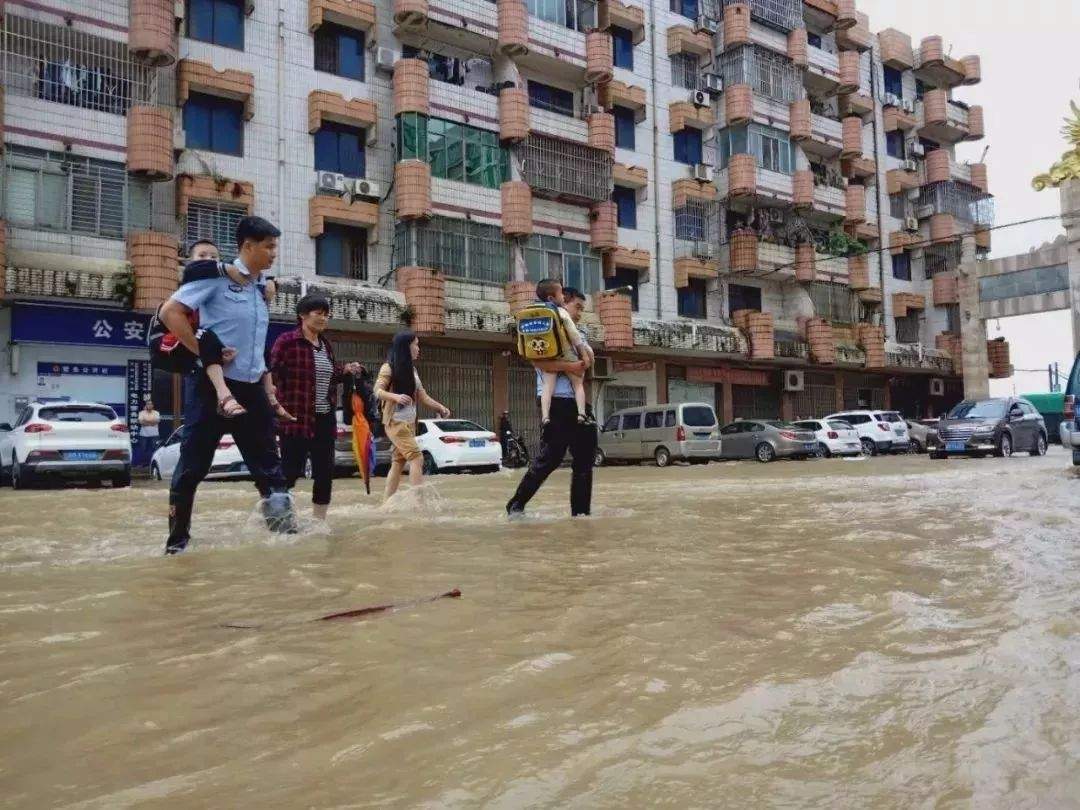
x=538 y=346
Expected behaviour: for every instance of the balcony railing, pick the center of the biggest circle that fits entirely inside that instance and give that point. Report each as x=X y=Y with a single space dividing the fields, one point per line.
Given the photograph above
x=82 y=284
x=69 y=66
x=964 y=201
x=577 y=15
x=359 y=304
x=690 y=337
x=792 y=349
x=917 y=356
x=769 y=74
x=558 y=168
x=850 y=355
x=782 y=14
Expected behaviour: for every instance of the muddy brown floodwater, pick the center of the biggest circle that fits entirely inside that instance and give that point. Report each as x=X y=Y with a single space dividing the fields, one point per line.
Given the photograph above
x=896 y=632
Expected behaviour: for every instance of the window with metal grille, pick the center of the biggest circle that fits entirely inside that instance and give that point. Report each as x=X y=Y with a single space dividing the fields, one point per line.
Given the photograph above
x=619 y=397
x=574 y=263
x=559 y=168
x=785 y=15
x=578 y=15
x=216 y=221
x=941 y=258
x=684 y=71
x=698 y=221
x=340 y=51
x=968 y=203
x=907 y=328
x=454 y=151
x=625 y=277
x=835 y=302
x=68 y=66
x=898 y=207
x=341 y=252
x=901 y=266
x=768 y=73
x=63 y=192
x=220 y=22
x=952 y=318
x=214 y=124
x=457 y=247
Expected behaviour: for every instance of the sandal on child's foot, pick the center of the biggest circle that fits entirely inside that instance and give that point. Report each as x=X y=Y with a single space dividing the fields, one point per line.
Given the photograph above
x=229 y=407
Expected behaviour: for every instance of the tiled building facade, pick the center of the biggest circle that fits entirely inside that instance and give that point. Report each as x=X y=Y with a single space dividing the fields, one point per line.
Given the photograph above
x=770 y=186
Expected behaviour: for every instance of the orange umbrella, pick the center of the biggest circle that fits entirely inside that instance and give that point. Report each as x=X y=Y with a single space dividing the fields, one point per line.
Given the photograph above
x=363 y=441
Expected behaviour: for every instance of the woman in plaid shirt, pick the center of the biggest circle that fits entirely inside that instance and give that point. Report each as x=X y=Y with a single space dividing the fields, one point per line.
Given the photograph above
x=306 y=375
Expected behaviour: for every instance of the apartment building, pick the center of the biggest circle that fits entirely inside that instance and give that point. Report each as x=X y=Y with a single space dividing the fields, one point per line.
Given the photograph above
x=761 y=197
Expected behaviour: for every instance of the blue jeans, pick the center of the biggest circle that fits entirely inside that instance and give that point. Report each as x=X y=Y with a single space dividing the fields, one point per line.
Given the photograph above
x=147 y=446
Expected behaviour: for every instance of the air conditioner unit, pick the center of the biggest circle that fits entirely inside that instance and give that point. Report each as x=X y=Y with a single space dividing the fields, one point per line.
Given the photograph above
x=700 y=98
x=913 y=194
x=179 y=10
x=908 y=105
x=794 y=380
x=385 y=59
x=891 y=100
x=911 y=224
x=924 y=212
x=365 y=188
x=601 y=369
x=937 y=387
x=909 y=166
x=705 y=24
x=917 y=149
x=703 y=172
x=590 y=109
x=704 y=250
x=774 y=214
x=331 y=183
x=712 y=83
x=179 y=138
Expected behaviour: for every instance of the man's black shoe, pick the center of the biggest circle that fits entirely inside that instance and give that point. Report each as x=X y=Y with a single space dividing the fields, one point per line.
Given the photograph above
x=514 y=511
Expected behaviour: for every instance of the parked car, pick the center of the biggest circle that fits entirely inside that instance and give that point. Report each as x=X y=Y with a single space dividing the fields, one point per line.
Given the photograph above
x=999 y=426
x=345 y=458
x=834 y=438
x=879 y=431
x=456 y=445
x=227 y=462
x=766 y=440
x=70 y=440
x=1069 y=429
x=664 y=433
x=923 y=434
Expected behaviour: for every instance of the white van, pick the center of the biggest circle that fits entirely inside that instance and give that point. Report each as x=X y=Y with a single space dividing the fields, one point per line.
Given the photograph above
x=664 y=433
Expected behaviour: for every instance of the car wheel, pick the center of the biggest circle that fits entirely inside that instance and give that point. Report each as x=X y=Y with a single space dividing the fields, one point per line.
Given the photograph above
x=914 y=448
x=1004 y=448
x=937 y=456
x=868 y=447
x=1076 y=458
x=599 y=459
x=662 y=456
x=155 y=471
x=764 y=452
x=1040 y=446
x=17 y=481
x=823 y=450
x=430 y=467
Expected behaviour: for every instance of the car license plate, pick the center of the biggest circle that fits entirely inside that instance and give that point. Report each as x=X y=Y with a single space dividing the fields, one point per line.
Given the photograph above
x=477 y=442
x=898 y=431
x=954 y=447
x=809 y=448
x=81 y=455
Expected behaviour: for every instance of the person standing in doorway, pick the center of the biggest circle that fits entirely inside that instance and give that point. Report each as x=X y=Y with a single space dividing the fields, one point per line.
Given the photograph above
x=306 y=376
x=399 y=389
x=564 y=432
x=149 y=431
x=238 y=315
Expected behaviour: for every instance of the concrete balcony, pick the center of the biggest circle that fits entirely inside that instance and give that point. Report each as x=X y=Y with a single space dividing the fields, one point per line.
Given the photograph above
x=770 y=186
x=37 y=276
x=472 y=25
x=947 y=121
x=935 y=67
x=826 y=137
x=558 y=125
x=829 y=201
x=822 y=72
x=691 y=337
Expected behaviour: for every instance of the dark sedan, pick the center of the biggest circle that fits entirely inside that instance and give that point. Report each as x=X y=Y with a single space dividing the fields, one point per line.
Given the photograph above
x=997 y=426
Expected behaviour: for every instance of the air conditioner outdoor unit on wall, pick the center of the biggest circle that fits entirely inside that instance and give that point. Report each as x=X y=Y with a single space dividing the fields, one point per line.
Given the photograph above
x=908 y=105
x=712 y=83
x=179 y=10
x=891 y=100
x=794 y=380
x=365 y=188
x=705 y=24
x=703 y=172
x=910 y=166
x=601 y=369
x=590 y=109
x=331 y=183
x=700 y=98
x=924 y=212
x=917 y=149
x=704 y=250
x=385 y=59
x=937 y=387
x=911 y=224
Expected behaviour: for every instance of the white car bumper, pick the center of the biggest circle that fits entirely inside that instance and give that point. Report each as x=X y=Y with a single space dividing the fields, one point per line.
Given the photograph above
x=465 y=457
x=1070 y=435
x=844 y=447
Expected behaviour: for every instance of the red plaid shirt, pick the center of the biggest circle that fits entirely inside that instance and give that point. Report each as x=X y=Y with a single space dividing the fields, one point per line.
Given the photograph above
x=292 y=364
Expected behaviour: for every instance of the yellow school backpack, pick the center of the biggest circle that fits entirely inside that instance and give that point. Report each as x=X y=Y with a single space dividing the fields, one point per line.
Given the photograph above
x=540 y=332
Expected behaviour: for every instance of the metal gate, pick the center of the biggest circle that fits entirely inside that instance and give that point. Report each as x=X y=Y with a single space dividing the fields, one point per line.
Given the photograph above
x=683 y=391
x=617 y=397
x=755 y=402
x=817 y=398
x=524 y=410
x=864 y=392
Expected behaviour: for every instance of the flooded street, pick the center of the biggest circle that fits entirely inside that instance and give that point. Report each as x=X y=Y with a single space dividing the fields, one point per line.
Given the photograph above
x=896 y=632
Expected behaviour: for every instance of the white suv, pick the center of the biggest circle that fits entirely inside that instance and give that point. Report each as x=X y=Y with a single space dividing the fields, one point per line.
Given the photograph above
x=66 y=439
x=879 y=431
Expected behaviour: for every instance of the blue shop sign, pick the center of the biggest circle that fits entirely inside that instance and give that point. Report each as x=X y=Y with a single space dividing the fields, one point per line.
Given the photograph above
x=79 y=326
x=83 y=369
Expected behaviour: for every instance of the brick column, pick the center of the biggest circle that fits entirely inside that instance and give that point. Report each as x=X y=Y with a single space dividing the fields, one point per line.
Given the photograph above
x=974 y=362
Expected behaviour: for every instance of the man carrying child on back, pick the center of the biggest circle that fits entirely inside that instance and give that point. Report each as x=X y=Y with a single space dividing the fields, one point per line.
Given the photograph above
x=236 y=314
